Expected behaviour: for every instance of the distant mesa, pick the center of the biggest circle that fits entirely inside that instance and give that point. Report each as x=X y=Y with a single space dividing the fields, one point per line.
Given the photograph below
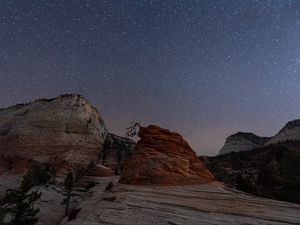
x=163 y=157
x=243 y=141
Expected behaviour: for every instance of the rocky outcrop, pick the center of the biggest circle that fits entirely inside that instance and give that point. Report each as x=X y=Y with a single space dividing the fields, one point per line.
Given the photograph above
x=242 y=141
x=65 y=129
x=290 y=132
x=163 y=157
x=115 y=151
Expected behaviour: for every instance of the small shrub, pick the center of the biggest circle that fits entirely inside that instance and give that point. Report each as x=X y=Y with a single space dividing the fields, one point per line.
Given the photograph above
x=133 y=129
x=38 y=176
x=109 y=186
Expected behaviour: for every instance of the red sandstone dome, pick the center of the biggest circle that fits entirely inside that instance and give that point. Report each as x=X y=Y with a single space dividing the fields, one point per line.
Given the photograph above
x=163 y=157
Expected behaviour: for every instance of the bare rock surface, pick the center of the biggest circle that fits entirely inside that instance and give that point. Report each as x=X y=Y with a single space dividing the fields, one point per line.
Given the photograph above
x=52 y=206
x=66 y=128
x=163 y=157
x=205 y=204
x=9 y=181
x=52 y=209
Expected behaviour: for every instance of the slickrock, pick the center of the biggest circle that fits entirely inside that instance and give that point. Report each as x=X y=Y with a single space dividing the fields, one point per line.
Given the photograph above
x=163 y=157
x=205 y=204
x=66 y=128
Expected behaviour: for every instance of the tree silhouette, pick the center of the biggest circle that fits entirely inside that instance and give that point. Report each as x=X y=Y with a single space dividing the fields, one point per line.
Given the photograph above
x=133 y=129
x=17 y=207
x=69 y=184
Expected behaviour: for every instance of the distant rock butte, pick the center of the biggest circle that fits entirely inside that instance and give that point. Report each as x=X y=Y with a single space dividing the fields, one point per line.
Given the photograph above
x=65 y=129
x=242 y=141
x=163 y=157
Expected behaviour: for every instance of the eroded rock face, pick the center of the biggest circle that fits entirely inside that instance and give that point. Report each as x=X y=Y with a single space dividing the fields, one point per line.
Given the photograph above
x=242 y=141
x=115 y=151
x=162 y=157
x=66 y=128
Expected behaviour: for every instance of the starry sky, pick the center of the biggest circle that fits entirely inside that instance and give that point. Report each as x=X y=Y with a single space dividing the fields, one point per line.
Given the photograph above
x=205 y=69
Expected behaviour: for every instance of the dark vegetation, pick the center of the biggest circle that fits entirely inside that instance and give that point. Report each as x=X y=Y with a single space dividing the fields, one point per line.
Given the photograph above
x=39 y=176
x=68 y=185
x=109 y=186
x=17 y=206
x=272 y=171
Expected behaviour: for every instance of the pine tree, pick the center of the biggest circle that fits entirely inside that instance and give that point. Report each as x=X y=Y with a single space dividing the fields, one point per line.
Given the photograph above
x=17 y=207
x=133 y=129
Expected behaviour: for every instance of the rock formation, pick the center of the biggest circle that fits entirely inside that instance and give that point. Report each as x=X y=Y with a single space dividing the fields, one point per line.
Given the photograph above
x=115 y=150
x=163 y=158
x=242 y=141
x=66 y=129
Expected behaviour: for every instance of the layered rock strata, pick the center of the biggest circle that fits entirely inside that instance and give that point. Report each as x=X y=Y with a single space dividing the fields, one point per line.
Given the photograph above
x=163 y=157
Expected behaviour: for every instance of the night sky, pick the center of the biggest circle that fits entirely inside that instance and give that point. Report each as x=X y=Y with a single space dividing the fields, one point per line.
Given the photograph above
x=205 y=69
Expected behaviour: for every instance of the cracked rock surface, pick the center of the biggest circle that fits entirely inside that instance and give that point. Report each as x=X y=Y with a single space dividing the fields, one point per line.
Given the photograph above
x=182 y=205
